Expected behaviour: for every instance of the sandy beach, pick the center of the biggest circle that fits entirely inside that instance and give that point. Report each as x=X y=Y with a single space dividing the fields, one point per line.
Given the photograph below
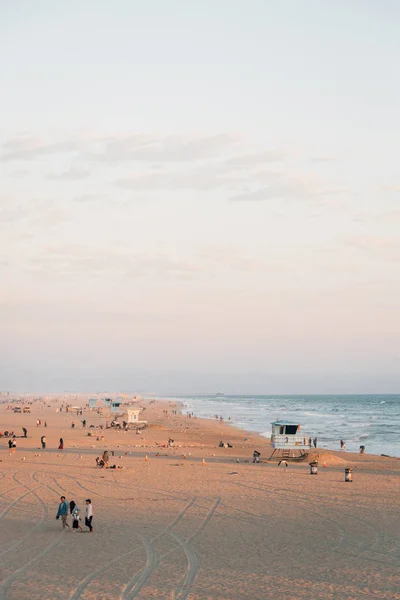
x=173 y=527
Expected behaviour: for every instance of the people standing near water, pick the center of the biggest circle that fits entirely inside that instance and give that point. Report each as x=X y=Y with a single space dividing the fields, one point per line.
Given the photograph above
x=341 y=444
x=75 y=512
x=315 y=442
x=89 y=515
x=61 y=446
x=43 y=441
x=63 y=512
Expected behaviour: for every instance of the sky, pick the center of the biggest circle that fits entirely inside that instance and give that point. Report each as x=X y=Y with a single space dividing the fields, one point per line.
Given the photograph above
x=200 y=196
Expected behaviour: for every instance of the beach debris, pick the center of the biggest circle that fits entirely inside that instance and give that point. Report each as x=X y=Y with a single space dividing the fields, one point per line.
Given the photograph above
x=284 y=463
x=237 y=460
x=314 y=467
x=23 y=458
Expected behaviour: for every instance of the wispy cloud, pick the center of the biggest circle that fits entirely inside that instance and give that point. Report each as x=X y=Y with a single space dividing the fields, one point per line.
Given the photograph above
x=170 y=148
x=83 y=198
x=77 y=261
x=202 y=179
x=379 y=246
x=323 y=159
x=70 y=174
x=256 y=159
x=36 y=211
x=29 y=148
x=287 y=185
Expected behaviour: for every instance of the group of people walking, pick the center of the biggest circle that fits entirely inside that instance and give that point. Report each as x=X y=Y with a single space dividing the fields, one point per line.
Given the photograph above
x=73 y=509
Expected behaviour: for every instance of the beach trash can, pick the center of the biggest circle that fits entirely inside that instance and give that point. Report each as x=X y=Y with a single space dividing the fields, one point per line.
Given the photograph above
x=348 y=474
x=314 y=467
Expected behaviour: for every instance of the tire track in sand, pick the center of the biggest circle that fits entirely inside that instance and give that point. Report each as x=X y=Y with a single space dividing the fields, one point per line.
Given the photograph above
x=5 y=586
x=77 y=592
x=140 y=578
x=30 y=491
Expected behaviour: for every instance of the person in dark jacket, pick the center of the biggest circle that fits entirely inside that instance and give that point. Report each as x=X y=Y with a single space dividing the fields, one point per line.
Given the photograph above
x=63 y=512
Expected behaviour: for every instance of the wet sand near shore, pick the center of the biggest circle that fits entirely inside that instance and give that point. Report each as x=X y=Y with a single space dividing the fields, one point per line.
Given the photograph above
x=171 y=527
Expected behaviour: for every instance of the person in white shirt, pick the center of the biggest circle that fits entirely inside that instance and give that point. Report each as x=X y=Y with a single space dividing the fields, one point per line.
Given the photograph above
x=89 y=515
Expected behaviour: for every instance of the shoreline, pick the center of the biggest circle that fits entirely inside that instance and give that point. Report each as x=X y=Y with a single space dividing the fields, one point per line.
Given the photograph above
x=311 y=451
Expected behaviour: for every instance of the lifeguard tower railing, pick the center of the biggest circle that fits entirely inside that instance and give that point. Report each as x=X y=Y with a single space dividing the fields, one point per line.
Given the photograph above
x=289 y=441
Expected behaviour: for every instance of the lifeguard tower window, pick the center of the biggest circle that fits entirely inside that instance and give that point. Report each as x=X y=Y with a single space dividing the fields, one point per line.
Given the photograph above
x=291 y=429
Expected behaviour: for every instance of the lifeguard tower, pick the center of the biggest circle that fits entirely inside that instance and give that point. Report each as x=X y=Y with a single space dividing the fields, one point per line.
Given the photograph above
x=288 y=440
x=131 y=417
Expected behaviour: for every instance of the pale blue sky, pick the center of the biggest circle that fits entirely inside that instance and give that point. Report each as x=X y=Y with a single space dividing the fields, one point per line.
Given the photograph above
x=200 y=195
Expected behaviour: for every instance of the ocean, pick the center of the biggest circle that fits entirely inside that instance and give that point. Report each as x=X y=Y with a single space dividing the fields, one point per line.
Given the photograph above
x=369 y=420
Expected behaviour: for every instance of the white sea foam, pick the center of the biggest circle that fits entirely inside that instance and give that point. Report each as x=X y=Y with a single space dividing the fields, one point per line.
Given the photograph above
x=330 y=418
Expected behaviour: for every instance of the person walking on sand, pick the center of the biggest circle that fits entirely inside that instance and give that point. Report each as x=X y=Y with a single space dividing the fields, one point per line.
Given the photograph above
x=75 y=512
x=63 y=512
x=61 y=446
x=89 y=515
x=37 y=422
x=43 y=442
x=25 y=431
x=315 y=442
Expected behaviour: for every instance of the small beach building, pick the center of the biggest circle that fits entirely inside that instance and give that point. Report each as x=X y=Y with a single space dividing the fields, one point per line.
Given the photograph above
x=287 y=437
x=115 y=404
